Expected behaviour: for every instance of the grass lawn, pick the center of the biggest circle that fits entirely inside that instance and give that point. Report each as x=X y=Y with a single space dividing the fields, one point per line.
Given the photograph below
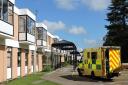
x=33 y=79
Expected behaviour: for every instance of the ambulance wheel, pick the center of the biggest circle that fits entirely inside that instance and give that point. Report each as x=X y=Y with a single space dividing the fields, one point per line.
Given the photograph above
x=92 y=75
x=79 y=72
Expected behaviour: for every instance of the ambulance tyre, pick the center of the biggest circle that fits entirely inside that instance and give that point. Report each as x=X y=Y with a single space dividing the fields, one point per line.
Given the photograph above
x=92 y=75
x=79 y=72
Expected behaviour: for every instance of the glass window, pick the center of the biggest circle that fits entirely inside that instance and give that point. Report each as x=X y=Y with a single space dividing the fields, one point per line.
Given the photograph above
x=22 y=24
x=10 y=13
x=26 y=57
x=44 y=34
x=26 y=24
x=19 y=57
x=5 y=10
x=30 y=25
x=40 y=33
x=32 y=58
x=1 y=7
x=9 y=57
x=94 y=55
x=88 y=55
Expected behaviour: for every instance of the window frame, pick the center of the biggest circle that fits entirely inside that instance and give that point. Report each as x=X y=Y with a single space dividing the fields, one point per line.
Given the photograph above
x=92 y=55
x=27 y=25
x=6 y=17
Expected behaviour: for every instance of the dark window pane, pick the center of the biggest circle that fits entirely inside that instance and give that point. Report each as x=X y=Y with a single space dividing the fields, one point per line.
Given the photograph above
x=44 y=34
x=5 y=10
x=32 y=58
x=40 y=33
x=10 y=13
x=19 y=58
x=30 y=25
x=26 y=57
x=88 y=54
x=1 y=7
x=94 y=55
x=22 y=23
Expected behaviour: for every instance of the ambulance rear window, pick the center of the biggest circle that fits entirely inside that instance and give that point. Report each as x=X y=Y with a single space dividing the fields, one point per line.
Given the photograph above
x=94 y=55
x=88 y=55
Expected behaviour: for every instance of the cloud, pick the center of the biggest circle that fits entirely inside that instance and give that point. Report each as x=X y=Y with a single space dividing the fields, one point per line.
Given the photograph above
x=77 y=30
x=66 y=4
x=54 y=26
x=96 y=4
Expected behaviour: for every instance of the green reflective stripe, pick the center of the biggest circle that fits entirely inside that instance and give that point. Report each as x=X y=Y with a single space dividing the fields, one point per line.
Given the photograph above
x=98 y=67
x=98 y=62
x=94 y=66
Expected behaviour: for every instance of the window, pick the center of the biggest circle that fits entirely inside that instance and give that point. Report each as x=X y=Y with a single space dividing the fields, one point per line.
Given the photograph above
x=19 y=57
x=26 y=24
x=32 y=58
x=26 y=57
x=22 y=24
x=40 y=33
x=30 y=25
x=44 y=34
x=10 y=13
x=88 y=55
x=6 y=11
x=1 y=8
x=9 y=57
x=94 y=55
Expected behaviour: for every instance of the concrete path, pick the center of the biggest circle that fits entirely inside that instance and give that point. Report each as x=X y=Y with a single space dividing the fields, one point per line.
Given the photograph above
x=66 y=76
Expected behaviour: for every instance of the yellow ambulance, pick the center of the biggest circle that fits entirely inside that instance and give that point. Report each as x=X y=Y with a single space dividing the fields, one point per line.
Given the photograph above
x=102 y=62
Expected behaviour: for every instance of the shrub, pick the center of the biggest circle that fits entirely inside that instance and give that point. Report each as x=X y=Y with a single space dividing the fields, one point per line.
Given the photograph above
x=47 y=68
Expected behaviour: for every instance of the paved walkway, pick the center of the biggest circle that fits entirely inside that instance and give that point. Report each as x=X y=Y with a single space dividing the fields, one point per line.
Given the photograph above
x=66 y=76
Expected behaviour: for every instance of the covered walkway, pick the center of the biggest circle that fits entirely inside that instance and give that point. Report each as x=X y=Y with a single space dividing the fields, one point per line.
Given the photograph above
x=66 y=47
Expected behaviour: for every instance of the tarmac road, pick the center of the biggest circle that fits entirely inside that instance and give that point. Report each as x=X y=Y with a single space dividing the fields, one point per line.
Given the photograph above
x=66 y=76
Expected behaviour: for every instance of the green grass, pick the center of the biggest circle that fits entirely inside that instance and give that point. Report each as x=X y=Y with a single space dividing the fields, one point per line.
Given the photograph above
x=33 y=79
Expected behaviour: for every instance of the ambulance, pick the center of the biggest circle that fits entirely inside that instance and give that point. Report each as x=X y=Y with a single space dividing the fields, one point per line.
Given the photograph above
x=104 y=62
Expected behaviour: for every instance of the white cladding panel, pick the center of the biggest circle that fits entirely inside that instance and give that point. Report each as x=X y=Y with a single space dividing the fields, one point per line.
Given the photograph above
x=30 y=38
x=22 y=36
x=12 y=43
x=41 y=25
x=27 y=12
x=6 y=28
x=32 y=47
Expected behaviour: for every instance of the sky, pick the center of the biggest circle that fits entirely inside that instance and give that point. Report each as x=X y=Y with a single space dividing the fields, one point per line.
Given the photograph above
x=80 y=21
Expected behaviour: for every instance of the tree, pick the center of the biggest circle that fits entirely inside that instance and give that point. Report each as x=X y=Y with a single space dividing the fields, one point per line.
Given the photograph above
x=117 y=34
